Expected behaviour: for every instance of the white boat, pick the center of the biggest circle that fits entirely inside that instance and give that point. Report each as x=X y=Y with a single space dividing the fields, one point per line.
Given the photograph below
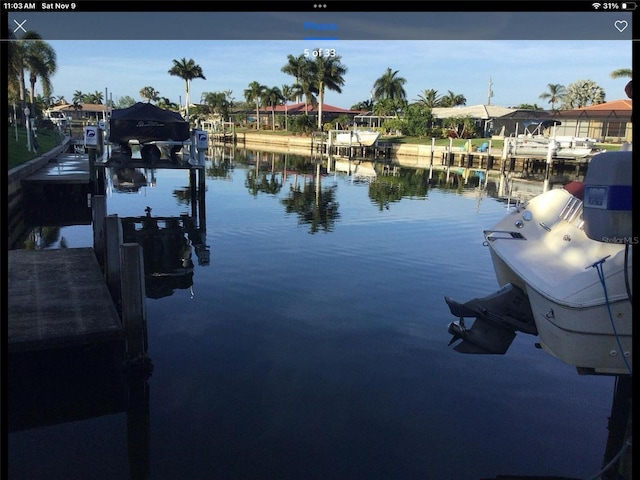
x=535 y=143
x=564 y=263
x=356 y=138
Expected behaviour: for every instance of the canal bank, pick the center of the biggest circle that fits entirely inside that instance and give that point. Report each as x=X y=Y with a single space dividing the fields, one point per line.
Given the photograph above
x=420 y=156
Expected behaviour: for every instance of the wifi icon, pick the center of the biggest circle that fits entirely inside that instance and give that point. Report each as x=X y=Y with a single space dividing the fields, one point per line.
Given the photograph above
x=596 y=5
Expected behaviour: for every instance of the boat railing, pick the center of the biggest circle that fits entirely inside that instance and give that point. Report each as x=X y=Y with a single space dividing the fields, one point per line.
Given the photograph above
x=572 y=212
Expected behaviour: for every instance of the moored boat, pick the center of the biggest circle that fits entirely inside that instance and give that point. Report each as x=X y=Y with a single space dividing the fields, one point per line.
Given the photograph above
x=564 y=262
x=356 y=138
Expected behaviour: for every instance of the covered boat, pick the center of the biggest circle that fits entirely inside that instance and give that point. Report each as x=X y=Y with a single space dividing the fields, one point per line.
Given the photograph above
x=144 y=123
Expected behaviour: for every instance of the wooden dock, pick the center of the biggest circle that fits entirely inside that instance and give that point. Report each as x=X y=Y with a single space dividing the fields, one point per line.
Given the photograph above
x=69 y=168
x=58 y=298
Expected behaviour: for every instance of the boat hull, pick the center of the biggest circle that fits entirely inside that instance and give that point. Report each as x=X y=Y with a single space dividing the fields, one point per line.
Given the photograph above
x=541 y=248
x=595 y=345
x=357 y=138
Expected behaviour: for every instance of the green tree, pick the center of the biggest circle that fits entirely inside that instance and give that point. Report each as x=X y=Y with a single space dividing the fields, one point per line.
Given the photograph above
x=36 y=56
x=289 y=92
x=149 y=94
x=304 y=71
x=273 y=97
x=453 y=100
x=95 y=98
x=254 y=94
x=429 y=98
x=296 y=67
x=621 y=73
x=218 y=102
x=186 y=70
x=554 y=94
x=365 y=105
x=582 y=94
x=125 y=102
x=389 y=85
x=329 y=74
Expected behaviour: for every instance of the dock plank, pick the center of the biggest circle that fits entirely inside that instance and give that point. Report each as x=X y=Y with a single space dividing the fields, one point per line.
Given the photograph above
x=68 y=168
x=58 y=298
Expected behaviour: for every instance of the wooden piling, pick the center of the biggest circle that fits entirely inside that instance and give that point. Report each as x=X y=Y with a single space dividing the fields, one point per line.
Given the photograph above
x=99 y=204
x=133 y=299
x=114 y=239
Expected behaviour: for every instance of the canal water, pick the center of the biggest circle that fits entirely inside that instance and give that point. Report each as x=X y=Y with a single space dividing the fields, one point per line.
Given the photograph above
x=298 y=330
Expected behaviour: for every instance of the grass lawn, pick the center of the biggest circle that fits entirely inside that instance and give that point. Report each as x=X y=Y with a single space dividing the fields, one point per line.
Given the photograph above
x=17 y=150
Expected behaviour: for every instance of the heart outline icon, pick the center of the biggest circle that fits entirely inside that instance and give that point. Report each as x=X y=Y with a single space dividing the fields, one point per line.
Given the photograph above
x=621 y=25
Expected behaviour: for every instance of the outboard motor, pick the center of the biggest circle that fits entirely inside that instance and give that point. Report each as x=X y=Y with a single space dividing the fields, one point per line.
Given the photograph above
x=607 y=198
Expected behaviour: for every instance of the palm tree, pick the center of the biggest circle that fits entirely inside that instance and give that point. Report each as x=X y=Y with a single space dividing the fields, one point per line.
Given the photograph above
x=273 y=96
x=35 y=55
x=217 y=101
x=296 y=67
x=95 y=98
x=329 y=74
x=289 y=92
x=186 y=70
x=430 y=98
x=389 y=85
x=254 y=94
x=452 y=100
x=150 y=94
x=40 y=59
x=555 y=94
x=14 y=65
x=621 y=73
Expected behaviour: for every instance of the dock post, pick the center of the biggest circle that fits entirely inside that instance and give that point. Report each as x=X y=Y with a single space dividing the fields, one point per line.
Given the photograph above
x=133 y=300
x=114 y=238
x=547 y=172
x=619 y=429
x=99 y=204
x=92 y=167
x=450 y=156
x=433 y=147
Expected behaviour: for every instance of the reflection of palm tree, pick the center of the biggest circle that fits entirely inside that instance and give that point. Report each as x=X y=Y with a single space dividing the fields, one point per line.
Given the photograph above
x=265 y=182
x=314 y=205
x=390 y=189
x=41 y=238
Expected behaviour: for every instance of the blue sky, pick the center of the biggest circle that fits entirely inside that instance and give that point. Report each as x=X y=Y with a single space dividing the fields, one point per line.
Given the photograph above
x=520 y=70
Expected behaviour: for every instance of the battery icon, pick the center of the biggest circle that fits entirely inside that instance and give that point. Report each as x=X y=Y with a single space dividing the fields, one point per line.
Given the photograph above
x=629 y=6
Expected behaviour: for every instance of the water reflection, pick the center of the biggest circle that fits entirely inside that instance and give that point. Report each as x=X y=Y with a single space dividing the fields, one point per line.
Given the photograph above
x=314 y=205
x=167 y=245
x=128 y=180
x=351 y=372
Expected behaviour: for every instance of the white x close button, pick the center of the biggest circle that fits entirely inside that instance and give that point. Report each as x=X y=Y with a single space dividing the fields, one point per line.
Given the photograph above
x=19 y=26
